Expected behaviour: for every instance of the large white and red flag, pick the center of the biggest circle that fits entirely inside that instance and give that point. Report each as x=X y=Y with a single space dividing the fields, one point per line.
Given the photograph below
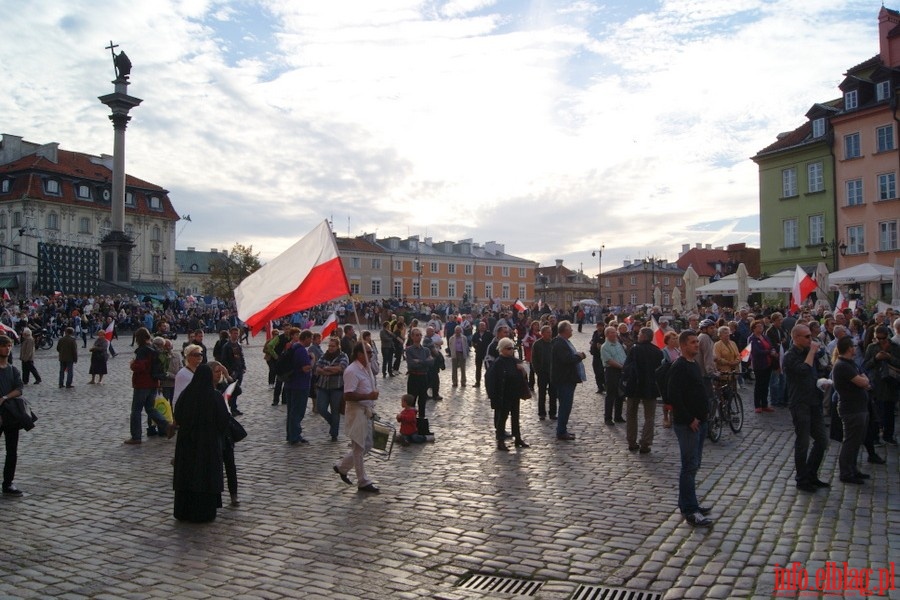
x=330 y=324
x=108 y=332
x=306 y=274
x=842 y=302
x=803 y=287
x=658 y=336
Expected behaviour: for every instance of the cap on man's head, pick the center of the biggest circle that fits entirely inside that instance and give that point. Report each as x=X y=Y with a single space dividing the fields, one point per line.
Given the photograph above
x=706 y=323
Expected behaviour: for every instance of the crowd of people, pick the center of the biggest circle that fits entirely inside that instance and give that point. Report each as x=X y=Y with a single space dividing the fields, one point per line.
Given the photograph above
x=817 y=363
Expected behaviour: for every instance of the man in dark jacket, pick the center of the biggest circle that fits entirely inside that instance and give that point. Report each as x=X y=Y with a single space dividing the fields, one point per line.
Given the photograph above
x=541 y=362
x=67 y=347
x=233 y=360
x=10 y=387
x=690 y=409
x=640 y=388
x=481 y=339
x=805 y=402
x=566 y=372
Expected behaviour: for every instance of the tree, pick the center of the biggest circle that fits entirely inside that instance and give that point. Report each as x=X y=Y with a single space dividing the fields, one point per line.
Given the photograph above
x=228 y=270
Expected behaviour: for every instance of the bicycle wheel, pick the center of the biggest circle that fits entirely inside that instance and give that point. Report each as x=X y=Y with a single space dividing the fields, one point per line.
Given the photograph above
x=736 y=408
x=715 y=423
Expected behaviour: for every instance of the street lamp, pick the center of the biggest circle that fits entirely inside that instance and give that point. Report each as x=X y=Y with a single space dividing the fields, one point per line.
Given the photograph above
x=599 y=255
x=417 y=265
x=652 y=262
x=833 y=245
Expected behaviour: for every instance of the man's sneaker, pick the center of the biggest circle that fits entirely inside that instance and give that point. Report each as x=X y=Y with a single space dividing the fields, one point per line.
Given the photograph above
x=12 y=490
x=698 y=520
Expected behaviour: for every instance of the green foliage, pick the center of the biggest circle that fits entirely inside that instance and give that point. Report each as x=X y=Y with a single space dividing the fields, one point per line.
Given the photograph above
x=229 y=270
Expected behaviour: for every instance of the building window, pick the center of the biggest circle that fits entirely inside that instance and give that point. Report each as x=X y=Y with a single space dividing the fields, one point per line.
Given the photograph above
x=854 y=192
x=51 y=186
x=2 y=257
x=84 y=225
x=398 y=288
x=607 y=282
x=83 y=191
x=17 y=256
x=887 y=235
x=435 y=268
x=790 y=233
x=633 y=280
x=129 y=230
x=2 y=220
x=489 y=270
x=468 y=269
x=489 y=290
x=818 y=127
x=376 y=264
x=468 y=290
x=633 y=298
x=434 y=289
x=504 y=292
x=851 y=145
x=17 y=219
x=884 y=138
x=416 y=289
x=816 y=229
x=451 y=289
x=53 y=221
x=398 y=265
x=354 y=262
x=451 y=268
x=354 y=288
x=887 y=186
x=521 y=271
x=155 y=203
x=665 y=281
x=505 y=271
x=107 y=225
x=4 y=187
x=883 y=90
x=850 y=100
x=856 y=239
x=155 y=264
x=129 y=199
x=789 y=182
x=376 y=287
x=815 y=176
x=157 y=234
x=666 y=300
x=522 y=291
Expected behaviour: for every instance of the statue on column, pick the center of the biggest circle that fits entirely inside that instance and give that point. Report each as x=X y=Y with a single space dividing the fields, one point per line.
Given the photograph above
x=121 y=62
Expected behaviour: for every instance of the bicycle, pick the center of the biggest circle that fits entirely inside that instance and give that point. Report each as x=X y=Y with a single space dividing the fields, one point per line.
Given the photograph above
x=727 y=406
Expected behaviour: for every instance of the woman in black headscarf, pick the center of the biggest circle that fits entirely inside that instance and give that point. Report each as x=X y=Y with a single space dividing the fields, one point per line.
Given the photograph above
x=202 y=418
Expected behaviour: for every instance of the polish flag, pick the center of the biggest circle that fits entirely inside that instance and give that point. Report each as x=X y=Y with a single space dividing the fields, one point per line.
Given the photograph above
x=842 y=302
x=6 y=294
x=745 y=354
x=108 y=332
x=9 y=331
x=330 y=325
x=306 y=274
x=519 y=306
x=803 y=286
x=658 y=336
x=229 y=391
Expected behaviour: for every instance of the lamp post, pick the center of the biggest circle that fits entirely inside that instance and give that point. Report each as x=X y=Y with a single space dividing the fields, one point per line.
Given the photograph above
x=652 y=262
x=835 y=248
x=599 y=255
x=418 y=266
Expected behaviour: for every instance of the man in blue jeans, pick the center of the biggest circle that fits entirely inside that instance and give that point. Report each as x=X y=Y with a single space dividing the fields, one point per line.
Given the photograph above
x=145 y=386
x=690 y=411
x=296 y=385
x=567 y=371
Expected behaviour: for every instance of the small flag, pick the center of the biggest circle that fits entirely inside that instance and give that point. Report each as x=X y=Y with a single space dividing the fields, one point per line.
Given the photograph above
x=108 y=332
x=6 y=294
x=842 y=302
x=229 y=390
x=745 y=354
x=9 y=330
x=330 y=325
x=519 y=306
x=658 y=336
x=803 y=286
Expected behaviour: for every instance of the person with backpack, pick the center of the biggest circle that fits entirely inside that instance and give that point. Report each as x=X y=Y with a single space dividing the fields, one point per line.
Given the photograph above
x=640 y=388
x=282 y=340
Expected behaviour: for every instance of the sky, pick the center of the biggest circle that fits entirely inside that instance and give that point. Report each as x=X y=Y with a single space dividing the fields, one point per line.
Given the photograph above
x=555 y=127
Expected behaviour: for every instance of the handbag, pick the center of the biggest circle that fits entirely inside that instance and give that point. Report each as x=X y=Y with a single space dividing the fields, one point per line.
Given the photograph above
x=526 y=393
x=236 y=430
x=890 y=372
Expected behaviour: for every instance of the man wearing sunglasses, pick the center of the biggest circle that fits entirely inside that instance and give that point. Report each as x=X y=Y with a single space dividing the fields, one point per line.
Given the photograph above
x=881 y=355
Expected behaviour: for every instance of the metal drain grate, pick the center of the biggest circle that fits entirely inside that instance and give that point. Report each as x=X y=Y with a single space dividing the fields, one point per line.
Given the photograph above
x=602 y=592
x=501 y=585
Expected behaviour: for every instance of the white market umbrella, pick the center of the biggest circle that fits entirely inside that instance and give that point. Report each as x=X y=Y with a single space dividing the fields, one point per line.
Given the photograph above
x=657 y=296
x=864 y=273
x=690 y=288
x=743 y=286
x=822 y=285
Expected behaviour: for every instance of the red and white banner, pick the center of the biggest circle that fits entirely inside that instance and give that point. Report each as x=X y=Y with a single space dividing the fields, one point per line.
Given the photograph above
x=745 y=354
x=803 y=287
x=520 y=306
x=306 y=274
x=6 y=295
x=658 y=336
x=842 y=302
x=108 y=332
x=330 y=325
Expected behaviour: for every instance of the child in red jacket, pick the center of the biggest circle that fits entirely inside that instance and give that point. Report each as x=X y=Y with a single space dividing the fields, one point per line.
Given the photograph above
x=408 y=419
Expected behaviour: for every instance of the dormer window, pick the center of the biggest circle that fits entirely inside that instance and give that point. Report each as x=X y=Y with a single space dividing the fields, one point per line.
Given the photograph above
x=155 y=203
x=51 y=186
x=818 y=127
x=883 y=90
x=851 y=100
x=129 y=199
x=83 y=191
x=5 y=185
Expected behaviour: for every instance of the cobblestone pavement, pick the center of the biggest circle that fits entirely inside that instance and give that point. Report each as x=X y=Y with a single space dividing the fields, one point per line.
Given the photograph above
x=96 y=519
